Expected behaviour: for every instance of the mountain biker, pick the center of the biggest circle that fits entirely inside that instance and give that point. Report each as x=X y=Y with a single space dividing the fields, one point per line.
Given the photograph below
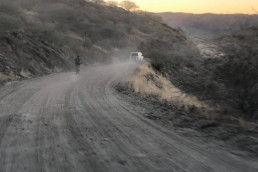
x=77 y=64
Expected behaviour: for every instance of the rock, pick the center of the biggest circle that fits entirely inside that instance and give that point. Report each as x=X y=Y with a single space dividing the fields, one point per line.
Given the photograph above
x=24 y=74
x=122 y=162
x=208 y=124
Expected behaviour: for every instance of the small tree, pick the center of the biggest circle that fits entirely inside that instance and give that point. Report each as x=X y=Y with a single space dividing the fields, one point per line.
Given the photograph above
x=112 y=3
x=129 y=5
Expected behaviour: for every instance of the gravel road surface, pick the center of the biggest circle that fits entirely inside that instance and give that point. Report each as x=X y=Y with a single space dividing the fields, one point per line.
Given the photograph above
x=65 y=122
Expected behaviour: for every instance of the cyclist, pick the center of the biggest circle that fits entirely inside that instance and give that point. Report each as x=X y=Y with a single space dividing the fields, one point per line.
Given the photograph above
x=77 y=64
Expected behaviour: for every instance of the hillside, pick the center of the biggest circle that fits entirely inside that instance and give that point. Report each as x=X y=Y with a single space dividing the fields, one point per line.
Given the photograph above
x=39 y=37
x=225 y=79
x=238 y=70
x=208 y=25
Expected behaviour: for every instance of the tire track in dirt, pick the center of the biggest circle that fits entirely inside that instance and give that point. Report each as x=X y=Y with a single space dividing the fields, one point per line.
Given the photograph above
x=77 y=123
x=78 y=142
x=5 y=122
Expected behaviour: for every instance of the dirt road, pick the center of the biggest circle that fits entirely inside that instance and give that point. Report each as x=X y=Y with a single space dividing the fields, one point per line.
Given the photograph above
x=65 y=122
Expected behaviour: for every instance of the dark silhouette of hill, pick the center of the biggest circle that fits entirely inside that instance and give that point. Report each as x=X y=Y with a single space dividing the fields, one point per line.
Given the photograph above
x=207 y=25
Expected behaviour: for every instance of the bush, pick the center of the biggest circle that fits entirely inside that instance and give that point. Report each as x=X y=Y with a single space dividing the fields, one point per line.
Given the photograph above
x=49 y=34
x=8 y=8
x=10 y=17
x=163 y=62
x=9 y=23
x=159 y=61
x=240 y=76
x=60 y=13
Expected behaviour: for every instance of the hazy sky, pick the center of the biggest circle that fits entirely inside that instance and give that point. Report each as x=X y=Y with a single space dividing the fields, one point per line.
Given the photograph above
x=199 y=6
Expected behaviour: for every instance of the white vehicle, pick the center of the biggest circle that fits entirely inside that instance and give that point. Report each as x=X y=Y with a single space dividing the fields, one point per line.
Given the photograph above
x=136 y=56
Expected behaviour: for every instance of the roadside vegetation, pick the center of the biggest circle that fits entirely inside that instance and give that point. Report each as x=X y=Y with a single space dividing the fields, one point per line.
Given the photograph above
x=239 y=71
x=229 y=84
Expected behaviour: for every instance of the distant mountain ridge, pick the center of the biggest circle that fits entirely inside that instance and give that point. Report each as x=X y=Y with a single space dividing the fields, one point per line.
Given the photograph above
x=209 y=24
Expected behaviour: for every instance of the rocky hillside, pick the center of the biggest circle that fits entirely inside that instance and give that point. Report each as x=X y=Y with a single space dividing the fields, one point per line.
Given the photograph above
x=23 y=56
x=39 y=37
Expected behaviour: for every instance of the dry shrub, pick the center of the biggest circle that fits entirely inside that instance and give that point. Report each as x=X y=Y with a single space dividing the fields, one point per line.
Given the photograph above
x=4 y=78
x=147 y=81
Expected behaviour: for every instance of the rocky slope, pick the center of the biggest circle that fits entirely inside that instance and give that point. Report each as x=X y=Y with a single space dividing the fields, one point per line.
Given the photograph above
x=39 y=37
x=24 y=56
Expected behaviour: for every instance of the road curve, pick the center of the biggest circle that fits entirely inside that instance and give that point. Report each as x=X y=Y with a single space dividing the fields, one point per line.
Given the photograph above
x=65 y=122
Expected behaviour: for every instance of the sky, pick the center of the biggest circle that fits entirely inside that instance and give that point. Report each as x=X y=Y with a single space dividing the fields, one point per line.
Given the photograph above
x=199 y=6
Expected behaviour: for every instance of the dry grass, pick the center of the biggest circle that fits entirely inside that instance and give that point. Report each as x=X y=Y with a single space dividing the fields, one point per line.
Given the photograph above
x=147 y=81
x=75 y=36
x=4 y=78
